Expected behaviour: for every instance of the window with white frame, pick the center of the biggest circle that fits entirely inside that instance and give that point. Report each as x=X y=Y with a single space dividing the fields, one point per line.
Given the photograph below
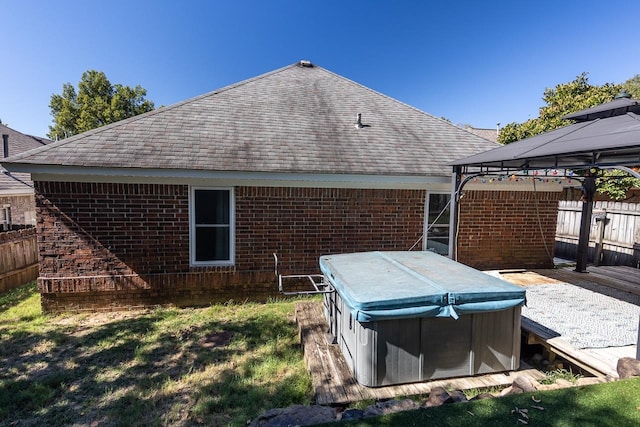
x=211 y=217
x=438 y=217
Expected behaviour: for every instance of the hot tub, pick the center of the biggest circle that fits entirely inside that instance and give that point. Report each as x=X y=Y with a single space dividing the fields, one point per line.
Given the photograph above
x=402 y=317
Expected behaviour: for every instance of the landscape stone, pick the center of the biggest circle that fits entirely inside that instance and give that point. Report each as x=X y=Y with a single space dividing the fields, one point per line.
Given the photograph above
x=511 y=390
x=437 y=397
x=457 y=396
x=352 y=414
x=589 y=381
x=389 y=407
x=525 y=384
x=628 y=367
x=297 y=415
x=562 y=383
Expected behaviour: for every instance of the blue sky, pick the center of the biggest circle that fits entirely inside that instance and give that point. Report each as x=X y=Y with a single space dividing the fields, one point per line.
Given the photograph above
x=475 y=62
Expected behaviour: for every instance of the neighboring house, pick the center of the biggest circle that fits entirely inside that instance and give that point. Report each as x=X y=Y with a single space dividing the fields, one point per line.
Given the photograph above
x=186 y=204
x=488 y=134
x=17 y=204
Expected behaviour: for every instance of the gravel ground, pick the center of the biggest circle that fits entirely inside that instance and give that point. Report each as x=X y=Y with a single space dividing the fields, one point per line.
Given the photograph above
x=582 y=317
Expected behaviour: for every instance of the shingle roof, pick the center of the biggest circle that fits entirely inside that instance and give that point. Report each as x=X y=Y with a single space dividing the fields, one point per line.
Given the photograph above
x=488 y=134
x=18 y=143
x=297 y=119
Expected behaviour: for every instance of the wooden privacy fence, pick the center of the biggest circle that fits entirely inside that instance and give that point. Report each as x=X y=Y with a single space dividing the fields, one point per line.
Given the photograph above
x=18 y=258
x=614 y=236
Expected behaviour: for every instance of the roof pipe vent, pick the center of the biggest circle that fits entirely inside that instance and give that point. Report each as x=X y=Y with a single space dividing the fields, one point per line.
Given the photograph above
x=623 y=94
x=5 y=145
x=359 y=124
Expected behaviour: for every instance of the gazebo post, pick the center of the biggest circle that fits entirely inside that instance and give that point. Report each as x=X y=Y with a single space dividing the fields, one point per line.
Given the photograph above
x=589 y=190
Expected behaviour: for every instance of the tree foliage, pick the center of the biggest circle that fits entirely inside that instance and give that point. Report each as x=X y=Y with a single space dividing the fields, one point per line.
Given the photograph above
x=633 y=86
x=567 y=98
x=96 y=103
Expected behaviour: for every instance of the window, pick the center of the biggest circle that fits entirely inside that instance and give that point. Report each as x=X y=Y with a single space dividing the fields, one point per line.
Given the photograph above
x=437 y=223
x=5 y=218
x=211 y=213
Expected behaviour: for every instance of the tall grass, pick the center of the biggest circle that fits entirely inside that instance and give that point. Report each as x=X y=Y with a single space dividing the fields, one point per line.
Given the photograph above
x=221 y=365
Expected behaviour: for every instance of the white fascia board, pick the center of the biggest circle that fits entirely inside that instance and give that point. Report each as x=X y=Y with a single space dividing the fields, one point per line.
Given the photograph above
x=230 y=178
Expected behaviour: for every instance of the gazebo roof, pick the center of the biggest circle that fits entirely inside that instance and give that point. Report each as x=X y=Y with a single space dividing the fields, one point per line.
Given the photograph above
x=605 y=135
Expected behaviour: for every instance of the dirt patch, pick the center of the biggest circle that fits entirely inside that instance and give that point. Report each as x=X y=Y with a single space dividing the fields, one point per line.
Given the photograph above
x=216 y=339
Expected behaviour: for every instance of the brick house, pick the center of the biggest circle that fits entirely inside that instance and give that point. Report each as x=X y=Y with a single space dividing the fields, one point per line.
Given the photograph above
x=185 y=205
x=17 y=204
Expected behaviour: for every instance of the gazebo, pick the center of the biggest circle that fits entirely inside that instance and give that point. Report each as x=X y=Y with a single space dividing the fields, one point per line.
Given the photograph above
x=606 y=136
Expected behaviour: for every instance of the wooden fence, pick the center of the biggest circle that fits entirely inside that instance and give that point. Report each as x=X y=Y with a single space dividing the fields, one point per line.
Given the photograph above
x=18 y=258
x=614 y=236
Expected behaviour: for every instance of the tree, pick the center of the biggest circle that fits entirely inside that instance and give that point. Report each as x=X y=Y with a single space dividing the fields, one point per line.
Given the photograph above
x=96 y=103
x=567 y=98
x=633 y=86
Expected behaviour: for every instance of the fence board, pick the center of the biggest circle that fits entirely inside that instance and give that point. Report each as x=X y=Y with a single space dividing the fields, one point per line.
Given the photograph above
x=18 y=258
x=621 y=240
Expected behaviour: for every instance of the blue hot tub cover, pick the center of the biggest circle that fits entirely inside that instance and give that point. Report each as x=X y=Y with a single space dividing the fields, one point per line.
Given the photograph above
x=393 y=285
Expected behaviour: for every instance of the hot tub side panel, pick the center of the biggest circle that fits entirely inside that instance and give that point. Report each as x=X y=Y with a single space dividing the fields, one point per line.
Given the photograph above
x=445 y=344
x=406 y=350
x=496 y=341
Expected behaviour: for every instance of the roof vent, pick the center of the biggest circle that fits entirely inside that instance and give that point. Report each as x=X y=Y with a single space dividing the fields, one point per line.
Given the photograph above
x=5 y=144
x=623 y=94
x=306 y=63
x=359 y=124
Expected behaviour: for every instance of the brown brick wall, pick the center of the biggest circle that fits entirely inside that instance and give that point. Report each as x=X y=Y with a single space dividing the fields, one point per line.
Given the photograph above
x=500 y=230
x=105 y=246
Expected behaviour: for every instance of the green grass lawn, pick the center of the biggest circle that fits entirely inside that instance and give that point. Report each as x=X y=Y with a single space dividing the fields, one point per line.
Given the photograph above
x=615 y=404
x=221 y=365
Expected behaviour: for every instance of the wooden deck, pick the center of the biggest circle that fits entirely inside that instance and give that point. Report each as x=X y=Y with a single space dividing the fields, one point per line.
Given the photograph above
x=333 y=382
x=600 y=362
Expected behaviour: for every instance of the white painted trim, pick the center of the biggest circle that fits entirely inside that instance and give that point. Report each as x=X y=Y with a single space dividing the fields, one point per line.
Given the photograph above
x=426 y=223
x=233 y=179
x=232 y=229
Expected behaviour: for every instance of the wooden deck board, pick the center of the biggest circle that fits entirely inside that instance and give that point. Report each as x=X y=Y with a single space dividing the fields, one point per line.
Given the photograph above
x=333 y=382
x=622 y=278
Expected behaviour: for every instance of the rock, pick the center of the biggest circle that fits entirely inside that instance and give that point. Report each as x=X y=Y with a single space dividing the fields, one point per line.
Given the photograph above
x=546 y=387
x=525 y=384
x=561 y=383
x=511 y=390
x=457 y=396
x=589 y=381
x=371 y=411
x=437 y=397
x=297 y=415
x=628 y=367
x=352 y=414
x=389 y=407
